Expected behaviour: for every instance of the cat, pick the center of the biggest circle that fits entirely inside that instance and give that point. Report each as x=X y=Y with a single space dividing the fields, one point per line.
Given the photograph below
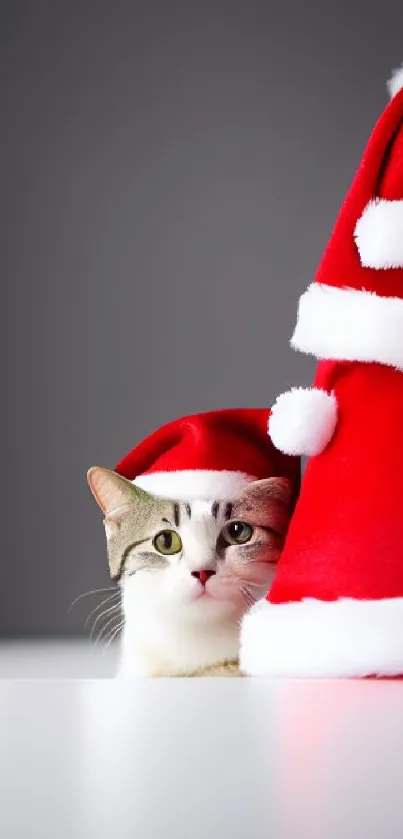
x=188 y=571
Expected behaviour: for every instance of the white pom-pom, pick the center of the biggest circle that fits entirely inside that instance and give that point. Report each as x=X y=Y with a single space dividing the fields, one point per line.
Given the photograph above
x=303 y=421
x=395 y=83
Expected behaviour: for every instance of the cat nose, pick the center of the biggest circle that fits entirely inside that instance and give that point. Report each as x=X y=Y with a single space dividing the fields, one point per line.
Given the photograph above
x=203 y=575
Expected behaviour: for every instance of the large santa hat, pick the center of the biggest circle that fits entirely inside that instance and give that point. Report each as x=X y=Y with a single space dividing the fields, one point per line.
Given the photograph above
x=208 y=456
x=336 y=605
x=354 y=309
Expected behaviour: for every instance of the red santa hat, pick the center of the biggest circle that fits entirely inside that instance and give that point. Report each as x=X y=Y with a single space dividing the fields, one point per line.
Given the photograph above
x=336 y=604
x=208 y=456
x=354 y=309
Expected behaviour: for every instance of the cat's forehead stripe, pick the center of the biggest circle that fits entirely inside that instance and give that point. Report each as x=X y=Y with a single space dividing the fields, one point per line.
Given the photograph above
x=176 y=514
x=215 y=508
x=228 y=510
x=188 y=509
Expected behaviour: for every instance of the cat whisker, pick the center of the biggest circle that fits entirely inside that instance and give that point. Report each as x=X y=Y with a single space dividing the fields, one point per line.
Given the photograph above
x=113 y=608
x=87 y=594
x=248 y=603
x=247 y=596
x=107 y=600
x=251 y=583
x=113 y=634
x=254 y=585
x=104 y=628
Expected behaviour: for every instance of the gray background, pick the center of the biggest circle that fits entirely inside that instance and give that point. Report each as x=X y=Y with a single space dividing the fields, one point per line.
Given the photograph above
x=170 y=173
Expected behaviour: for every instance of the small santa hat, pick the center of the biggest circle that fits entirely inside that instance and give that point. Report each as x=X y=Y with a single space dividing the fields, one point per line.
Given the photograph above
x=354 y=309
x=208 y=456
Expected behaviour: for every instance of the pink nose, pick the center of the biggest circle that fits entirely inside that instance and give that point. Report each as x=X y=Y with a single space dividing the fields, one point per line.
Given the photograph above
x=203 y=575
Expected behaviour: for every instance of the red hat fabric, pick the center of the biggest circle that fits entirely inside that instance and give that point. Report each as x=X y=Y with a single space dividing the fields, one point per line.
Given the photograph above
x=354 y=309
x=336 y=604
x=208 y=456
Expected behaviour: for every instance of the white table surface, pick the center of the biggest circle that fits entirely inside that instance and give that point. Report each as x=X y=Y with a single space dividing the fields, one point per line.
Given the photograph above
x=196 y=758
x=78 y=659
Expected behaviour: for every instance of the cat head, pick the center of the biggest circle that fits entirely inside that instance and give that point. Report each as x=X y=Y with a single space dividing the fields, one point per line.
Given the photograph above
x=197 y=561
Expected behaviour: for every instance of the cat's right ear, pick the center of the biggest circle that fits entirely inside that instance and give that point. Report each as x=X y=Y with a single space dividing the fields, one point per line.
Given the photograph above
x=110 y=490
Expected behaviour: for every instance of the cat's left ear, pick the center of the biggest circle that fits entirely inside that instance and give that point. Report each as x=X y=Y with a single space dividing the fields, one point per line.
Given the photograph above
x=110 y=490
x=266 y=503
x=268 y=489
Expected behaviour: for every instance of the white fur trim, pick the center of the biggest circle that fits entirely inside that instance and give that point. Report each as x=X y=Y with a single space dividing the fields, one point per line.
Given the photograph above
x=351 y=325
x=189 y=484
x=303 y=421
x=379 y=235
x=314 y=638
x=395 y=83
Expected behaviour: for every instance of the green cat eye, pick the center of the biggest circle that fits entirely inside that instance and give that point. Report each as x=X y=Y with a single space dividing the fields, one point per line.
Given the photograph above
x=167 y=542
x=237 y=533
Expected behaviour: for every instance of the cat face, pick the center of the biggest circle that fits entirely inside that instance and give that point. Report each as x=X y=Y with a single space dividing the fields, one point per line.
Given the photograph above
x=199 y=561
